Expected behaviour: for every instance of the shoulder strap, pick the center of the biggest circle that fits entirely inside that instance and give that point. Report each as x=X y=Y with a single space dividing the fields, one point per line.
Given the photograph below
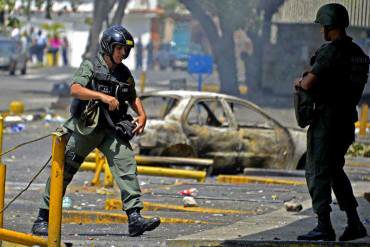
x=107 y=116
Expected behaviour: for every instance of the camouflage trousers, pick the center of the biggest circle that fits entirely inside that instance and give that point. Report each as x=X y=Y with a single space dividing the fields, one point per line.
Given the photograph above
x=120 y=158
x=324 y=169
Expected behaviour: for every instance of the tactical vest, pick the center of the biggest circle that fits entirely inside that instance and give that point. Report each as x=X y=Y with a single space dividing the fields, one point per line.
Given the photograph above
x=341 y=89
x=114 y=84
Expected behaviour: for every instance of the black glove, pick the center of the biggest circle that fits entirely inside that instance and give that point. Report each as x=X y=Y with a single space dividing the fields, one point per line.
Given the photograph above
x=125 y=129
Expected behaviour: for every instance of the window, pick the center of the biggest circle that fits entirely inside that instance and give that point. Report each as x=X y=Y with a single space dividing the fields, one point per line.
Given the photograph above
x=209 y=113
x=158 y=107
x=248 y=117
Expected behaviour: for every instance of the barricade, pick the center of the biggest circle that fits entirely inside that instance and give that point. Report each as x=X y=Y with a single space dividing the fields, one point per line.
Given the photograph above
x=55 y=213
x=363 y=120
x=93 y=162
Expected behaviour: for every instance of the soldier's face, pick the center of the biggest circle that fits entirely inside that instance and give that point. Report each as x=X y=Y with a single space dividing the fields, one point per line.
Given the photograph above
x=325 y=33
x=118 y=53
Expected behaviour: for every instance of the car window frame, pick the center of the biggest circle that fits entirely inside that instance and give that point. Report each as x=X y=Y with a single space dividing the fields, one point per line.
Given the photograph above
x=194 y=101
x=252 y=107
x=142 y=97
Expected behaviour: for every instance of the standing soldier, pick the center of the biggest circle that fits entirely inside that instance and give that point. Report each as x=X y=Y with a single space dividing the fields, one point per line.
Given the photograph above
x=336 y=81
x=102 y=90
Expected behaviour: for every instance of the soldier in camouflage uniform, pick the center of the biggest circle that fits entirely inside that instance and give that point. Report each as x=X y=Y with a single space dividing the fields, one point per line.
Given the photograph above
x=335 y=82
x=99 y=81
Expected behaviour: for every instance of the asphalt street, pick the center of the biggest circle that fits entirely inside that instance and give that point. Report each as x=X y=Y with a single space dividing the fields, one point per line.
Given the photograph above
x=259 y=213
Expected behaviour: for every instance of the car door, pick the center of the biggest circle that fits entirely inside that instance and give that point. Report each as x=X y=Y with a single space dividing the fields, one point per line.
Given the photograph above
x=264 y=143
x=211 y=132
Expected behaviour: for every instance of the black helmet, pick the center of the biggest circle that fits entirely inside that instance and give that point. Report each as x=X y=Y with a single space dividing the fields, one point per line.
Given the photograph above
x=115 y=35
x=332 y=15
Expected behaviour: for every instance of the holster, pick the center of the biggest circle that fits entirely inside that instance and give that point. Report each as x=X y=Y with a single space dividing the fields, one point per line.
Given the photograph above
x=304 y=107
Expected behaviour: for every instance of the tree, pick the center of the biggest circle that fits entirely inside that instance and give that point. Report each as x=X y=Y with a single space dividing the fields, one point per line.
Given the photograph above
x=120 y=12
x=219 y=20
x=260 y=36
x=101 y=14
x=49 y=5
x=6 y=7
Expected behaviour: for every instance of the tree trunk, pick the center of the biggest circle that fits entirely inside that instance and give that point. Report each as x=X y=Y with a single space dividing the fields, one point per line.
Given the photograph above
x=49 y=5
x=101 y=11
x=255 y=62
x=226 y=60
x=223 y=47
x=28 y=10
x=253 y=65
x=120 y=12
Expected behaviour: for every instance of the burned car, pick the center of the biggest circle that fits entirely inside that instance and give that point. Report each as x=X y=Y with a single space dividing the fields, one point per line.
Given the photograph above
x=235 y=133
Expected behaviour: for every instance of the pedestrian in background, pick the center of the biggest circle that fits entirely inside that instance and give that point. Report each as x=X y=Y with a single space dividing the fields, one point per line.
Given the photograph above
x=139 y=54
x=65 y=47
x=149 y=49
x=335 y=82
x=41 y=43
x=54 y=45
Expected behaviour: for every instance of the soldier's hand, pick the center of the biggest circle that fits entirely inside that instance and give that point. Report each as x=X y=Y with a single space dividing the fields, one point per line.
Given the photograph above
x=297 y=83
x=111 y=101
x=140 y=124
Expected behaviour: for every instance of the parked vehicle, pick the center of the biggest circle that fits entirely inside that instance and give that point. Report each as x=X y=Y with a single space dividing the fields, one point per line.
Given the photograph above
x=165 y=56
x=234 y=132
x=174 y=56
x=13 y=56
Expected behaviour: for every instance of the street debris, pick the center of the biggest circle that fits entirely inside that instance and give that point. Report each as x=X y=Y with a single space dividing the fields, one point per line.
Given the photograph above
x=13 y=119
x=104 y=191
x=189 y=192
x=359 y=150
x=49 y=118
x=16 y=128
x=67 y=202
x=189 y=201
x=293 y=206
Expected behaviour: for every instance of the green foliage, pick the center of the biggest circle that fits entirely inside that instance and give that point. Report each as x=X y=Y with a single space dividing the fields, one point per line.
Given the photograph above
x=7 y=5
x=39 y=4
x=13 y=21
x=53 y=29
x=236 y=14
x=171 y=6
x=89 y=21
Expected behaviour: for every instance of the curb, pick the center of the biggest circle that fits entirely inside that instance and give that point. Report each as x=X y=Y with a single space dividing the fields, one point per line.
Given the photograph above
x=244 y=243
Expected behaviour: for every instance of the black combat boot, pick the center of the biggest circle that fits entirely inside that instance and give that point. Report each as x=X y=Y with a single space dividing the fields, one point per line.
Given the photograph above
x=322 y=232
x=355 y=229
x=137 y=225
x=40 y=226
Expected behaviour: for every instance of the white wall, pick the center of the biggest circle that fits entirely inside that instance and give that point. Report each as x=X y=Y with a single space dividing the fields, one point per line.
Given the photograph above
x=77 y=44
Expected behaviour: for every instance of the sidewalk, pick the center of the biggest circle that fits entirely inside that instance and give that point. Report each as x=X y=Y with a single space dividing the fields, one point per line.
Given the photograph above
x=278 y=228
